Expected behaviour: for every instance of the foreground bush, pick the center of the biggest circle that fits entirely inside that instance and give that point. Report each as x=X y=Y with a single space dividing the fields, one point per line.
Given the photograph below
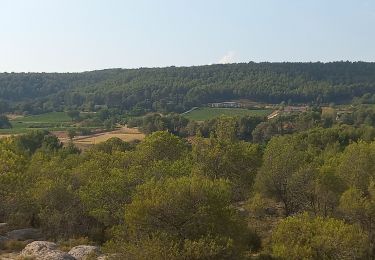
x=304 y=237
x=185 y=218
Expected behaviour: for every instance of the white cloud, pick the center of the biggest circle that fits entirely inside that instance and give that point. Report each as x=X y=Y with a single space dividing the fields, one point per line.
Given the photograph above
x=228 y=58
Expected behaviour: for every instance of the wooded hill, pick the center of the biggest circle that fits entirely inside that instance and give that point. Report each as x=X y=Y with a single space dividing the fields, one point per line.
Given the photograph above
x=180 y=88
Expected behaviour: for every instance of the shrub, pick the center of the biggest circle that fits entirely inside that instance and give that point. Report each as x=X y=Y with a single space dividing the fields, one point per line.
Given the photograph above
x=305 y=237
x=13 y=245
x=66 y=245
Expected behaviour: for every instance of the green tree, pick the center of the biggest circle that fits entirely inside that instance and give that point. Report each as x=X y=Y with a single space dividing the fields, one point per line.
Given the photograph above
x=192 y=212
x=15 y=205
x=73 y=114
x=32 y=141
x=228 y=159
x=359 y=207
x=71 y=133
x=264 y=131
x=161 y=146
x=226 y=128
x=51 y=143
x=357 y=165
x=304 y=237
x=285 y=174
x=10 y=160
x=4 y=122
x=328 y=189
x=110 y=123
x=104 y=197
x=58 y=211
x=112 y=145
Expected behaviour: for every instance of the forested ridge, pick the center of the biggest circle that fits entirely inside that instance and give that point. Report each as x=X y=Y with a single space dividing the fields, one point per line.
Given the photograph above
x=175 y=89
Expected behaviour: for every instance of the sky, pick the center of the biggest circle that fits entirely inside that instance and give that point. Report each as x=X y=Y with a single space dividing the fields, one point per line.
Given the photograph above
x=82 y=35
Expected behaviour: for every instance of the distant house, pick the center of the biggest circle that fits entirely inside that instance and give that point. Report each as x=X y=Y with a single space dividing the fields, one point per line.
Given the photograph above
x=287 y=109
x=98 y=107
x=225 y=105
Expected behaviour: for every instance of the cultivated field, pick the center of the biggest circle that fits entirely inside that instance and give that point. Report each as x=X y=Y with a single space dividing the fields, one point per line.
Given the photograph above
x=83 y=142
x=53 y=121
x=58 y=123
x=328 y=111
x=206 y=113
x=4 y=136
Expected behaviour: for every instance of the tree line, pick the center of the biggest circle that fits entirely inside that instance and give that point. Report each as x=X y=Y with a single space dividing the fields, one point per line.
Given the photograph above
x=177 y=89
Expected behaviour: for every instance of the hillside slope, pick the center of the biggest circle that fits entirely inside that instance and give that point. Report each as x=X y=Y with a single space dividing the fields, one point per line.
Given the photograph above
x=180 y=88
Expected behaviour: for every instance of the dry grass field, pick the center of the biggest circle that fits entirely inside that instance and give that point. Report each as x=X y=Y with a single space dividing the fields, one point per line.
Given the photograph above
x=125 y=134
x=329 y=112
x=83 y=142
x=4 y=136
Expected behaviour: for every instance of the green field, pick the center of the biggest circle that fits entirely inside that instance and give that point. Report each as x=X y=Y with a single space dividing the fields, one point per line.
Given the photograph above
x=206 y=113
x=51 y=121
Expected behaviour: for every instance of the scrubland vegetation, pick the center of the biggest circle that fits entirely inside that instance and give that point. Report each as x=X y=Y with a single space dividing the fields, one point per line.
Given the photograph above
x=308 y=193
x=299 y=185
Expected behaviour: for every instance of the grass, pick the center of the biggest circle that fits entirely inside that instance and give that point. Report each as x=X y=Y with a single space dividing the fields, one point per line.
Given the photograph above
x=54 y=121
x=206 y=113
x=328 y=111
x=69 y=244
x=53 y=117
x=59 y=121
x=125 y=134
x=104 y=137
x=13 y=246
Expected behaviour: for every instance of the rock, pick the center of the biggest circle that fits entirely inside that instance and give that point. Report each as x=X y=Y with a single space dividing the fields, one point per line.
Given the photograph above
x=3 y=239
x=270 y=211
x=3 y=228
x=9 y=256
x=3 y=225
x=107 y=257
x=43 y=250
x=81 y=252
x=24 y=234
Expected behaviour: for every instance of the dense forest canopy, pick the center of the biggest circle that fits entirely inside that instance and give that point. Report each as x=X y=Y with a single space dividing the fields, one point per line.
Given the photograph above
x=175 y=89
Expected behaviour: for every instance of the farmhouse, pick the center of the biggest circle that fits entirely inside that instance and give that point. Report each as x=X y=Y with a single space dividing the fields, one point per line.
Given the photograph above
x=288 y=109
x=225 y=105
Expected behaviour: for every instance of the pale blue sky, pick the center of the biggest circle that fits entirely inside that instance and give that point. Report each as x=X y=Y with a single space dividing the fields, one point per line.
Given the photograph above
x=79 y=35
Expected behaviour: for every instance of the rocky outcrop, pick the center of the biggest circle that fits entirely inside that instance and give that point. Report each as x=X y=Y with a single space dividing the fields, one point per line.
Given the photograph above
x=3 y=239
x=43 y=250
x=9 y=256
x=82 y=252
x=3 y=225
x=24 y=234
x=3 y=228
